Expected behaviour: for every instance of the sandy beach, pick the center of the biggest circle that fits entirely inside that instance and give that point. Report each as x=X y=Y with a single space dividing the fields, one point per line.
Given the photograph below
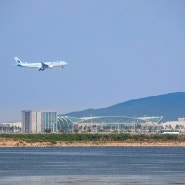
x=12 y=143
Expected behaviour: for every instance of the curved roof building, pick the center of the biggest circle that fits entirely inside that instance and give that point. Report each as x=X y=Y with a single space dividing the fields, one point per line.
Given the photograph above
x=68 y=123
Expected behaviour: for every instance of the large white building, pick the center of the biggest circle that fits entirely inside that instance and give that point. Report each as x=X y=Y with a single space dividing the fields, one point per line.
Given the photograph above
x=34 y=122
x=175 y=125
x=11 y=127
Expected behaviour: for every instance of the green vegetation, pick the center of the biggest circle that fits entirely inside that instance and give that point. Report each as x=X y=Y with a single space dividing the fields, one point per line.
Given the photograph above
x=126 y=137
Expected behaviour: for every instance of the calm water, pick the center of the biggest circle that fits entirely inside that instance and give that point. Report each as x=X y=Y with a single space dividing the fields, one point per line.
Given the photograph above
x=92 y=165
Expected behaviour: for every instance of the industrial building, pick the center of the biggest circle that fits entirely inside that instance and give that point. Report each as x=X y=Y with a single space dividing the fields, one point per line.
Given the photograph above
x=34 y=122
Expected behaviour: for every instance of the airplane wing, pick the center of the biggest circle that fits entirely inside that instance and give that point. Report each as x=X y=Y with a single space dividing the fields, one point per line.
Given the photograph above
x=44 y=66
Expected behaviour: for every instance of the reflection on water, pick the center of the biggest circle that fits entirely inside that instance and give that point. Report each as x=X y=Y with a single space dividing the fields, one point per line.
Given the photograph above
x=94 y=180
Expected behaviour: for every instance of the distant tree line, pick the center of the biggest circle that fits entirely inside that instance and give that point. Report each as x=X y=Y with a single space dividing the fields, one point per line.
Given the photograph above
x=124 y=137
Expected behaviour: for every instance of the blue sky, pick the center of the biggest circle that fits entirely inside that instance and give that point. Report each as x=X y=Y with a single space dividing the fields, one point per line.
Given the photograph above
x=116 y=50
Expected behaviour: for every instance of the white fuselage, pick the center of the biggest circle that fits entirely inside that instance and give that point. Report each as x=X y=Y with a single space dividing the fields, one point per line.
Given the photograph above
x=39 y=65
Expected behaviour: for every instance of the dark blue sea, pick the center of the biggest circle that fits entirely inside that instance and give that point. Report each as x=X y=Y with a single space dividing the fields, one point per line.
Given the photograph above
x=92 y=165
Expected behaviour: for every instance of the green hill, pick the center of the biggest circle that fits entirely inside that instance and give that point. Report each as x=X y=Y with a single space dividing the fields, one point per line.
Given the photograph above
x=171 y=106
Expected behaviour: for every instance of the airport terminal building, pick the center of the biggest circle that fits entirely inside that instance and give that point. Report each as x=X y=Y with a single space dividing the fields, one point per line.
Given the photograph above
x=35 y=122
x=48 y=121
x=109 y=124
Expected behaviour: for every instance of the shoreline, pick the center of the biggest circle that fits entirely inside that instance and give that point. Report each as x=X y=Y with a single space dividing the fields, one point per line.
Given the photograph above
x=19 y=143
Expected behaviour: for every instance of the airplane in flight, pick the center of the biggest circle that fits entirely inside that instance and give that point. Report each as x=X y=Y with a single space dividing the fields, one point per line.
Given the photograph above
x=41 y=65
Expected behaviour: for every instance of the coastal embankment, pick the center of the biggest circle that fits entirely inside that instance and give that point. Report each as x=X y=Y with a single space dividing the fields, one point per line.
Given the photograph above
x=83 y=140
x=12 y=143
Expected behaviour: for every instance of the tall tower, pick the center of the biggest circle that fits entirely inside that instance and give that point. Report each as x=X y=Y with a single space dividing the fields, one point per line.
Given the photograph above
x=34 y=122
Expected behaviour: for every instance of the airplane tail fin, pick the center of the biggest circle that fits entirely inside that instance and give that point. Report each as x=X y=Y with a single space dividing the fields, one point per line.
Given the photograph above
x=18 y=60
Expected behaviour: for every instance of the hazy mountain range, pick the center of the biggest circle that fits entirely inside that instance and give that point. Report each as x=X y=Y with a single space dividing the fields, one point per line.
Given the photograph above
x=171 y=106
